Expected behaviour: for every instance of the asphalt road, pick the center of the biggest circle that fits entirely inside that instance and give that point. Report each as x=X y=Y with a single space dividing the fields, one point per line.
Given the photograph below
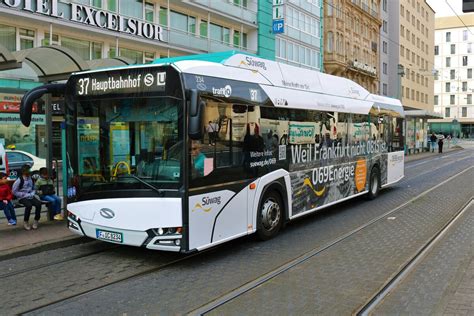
x=357 y=247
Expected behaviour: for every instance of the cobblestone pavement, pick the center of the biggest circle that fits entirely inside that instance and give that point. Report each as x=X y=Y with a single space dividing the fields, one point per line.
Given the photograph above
x=189 y=284
x=342 y=279
x=444 y=281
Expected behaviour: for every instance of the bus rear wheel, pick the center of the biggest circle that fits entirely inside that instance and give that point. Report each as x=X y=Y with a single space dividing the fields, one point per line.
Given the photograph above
x=270 y=216
x=374 y=184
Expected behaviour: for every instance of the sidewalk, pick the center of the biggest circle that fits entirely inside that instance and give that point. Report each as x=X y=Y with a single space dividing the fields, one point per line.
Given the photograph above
x=15 y=241
x=427 y=154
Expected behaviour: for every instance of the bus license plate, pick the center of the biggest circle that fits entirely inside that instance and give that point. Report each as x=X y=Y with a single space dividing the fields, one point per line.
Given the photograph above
x=109 y=236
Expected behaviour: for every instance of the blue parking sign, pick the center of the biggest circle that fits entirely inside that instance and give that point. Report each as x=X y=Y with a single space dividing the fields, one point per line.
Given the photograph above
x=278 y=26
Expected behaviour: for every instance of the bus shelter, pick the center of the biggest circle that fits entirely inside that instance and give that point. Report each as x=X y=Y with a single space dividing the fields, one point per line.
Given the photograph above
x=23 y=70
x=417 y=130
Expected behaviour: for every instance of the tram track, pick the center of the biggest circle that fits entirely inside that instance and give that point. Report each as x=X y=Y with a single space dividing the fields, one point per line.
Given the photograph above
x=263 y=278
x=222 y=300
x=56 y=262
x=134 y=276
x=410 y=265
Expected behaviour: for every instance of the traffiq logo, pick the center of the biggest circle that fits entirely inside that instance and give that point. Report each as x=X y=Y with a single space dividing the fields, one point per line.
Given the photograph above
x=222 y=92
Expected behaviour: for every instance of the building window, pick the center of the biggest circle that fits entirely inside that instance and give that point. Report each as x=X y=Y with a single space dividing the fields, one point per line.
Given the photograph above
x=453 y=48
x=27 y=39
x=45 y=40
x=464 y=86
x=402 y=10
x=469 y=73
x=452 y=74
x=384 y=5
x=469 y=99
x=402 y=50
x=448 y=61
x=447 y=87
x=219 y=33
x=384 y=68
x=464 y=111
x=448 y=37
x=8 y=37
x=241 y=3
x=96 y=3
x=447 y=112
x=182 y=22
x=149 y=12
x=87 y=50
x=384 y=47
x=112 y=5
x=384 y=26
x=203 y=28
x=464 y=60
x=417 y=96
x=163 y=16
x=452 y=99
x=436 y=100
x=436 y=50
x=330 y=42
x=132 y=8
x=149 y=57
x=464 y=35
x=402 y=30
x=384 y=89
x=407 y=93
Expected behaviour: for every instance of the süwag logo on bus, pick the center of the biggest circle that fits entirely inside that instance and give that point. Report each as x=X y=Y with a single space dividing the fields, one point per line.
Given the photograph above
x=222 y=92
x=207 y=203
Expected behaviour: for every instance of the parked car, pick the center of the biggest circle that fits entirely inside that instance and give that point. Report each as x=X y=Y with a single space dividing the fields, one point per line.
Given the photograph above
x=17 y=158
x=3 y=160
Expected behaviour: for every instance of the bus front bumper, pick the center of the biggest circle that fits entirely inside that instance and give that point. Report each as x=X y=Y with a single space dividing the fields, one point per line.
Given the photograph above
x=150 y=239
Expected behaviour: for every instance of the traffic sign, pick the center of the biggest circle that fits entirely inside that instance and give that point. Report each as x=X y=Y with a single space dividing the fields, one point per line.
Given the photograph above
x=278 y=26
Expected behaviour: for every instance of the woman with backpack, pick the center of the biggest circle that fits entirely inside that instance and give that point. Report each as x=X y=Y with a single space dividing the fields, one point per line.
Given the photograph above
x=24 y=190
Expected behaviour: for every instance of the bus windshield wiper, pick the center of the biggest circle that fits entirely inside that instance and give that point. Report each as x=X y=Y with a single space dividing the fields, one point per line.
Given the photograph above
x=159 y=191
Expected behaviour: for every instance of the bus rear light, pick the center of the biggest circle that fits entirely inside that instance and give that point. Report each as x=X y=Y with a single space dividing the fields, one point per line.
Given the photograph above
x=252 y=186
x=179 y=230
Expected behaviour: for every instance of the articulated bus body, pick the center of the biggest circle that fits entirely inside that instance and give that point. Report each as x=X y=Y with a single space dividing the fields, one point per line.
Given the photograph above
x=184 y=154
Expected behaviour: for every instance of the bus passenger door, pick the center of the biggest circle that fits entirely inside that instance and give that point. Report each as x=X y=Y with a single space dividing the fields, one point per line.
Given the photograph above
x=219 y=212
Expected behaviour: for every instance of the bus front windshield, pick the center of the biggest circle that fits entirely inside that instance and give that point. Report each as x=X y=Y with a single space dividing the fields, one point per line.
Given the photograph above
x=127 y=145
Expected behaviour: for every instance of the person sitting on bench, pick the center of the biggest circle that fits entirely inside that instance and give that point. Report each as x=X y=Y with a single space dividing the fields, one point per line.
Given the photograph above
x=46 y=193
x=24 y=190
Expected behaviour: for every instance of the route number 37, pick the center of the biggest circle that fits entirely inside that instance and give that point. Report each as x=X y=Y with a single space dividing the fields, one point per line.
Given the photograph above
x=83 y=86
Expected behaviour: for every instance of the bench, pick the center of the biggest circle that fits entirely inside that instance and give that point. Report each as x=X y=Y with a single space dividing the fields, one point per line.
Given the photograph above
x=16 y=203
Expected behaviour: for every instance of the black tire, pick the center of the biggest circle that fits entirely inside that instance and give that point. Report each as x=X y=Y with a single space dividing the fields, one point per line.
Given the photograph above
x=374 y=183
x=270 y=215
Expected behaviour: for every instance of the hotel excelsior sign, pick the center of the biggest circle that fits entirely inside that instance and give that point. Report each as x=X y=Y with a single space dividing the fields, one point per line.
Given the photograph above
x=90 y=16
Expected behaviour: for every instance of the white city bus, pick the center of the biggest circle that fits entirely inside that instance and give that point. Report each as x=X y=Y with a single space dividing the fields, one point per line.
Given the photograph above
x=190 y=152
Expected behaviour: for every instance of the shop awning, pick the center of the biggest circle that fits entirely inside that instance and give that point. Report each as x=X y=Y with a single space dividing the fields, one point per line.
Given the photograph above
x=7 y=60
x=52 y=63
x=423 y=114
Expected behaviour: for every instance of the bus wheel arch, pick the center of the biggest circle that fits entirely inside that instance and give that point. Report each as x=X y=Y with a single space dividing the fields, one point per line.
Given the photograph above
x=374 y=182
x=272 y=211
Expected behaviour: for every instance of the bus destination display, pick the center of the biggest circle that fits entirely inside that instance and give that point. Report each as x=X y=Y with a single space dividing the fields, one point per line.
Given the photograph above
x=119 y=83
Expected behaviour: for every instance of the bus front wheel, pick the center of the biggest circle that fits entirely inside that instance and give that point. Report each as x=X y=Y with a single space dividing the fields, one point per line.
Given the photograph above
x=270 y=216
x=374 y=184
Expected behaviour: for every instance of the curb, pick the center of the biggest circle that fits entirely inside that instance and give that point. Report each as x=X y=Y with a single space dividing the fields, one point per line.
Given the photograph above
x=42 y=246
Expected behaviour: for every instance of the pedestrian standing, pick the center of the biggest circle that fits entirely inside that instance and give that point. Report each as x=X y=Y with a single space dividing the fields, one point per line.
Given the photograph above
x=6 y=197
x=433 y=139
x=440 y=145
x=24 y=190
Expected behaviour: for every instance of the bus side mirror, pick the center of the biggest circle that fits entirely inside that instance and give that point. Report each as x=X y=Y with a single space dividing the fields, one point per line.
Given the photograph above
x=195 y=115
x=26 y=104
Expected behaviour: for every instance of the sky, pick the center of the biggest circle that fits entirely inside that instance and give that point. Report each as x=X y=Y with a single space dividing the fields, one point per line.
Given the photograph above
x=442 y=9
